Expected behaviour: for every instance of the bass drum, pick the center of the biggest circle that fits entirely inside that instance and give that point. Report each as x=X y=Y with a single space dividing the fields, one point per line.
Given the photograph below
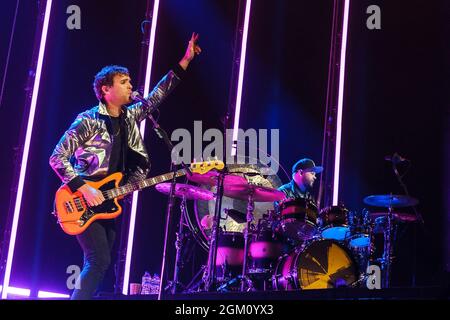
x=200 y=217
x=322 y=264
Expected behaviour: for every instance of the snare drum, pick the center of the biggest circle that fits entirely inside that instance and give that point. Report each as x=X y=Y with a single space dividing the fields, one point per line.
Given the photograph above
x=298 y=218
x=264 y=250
x=230 y=255
x=333 y=223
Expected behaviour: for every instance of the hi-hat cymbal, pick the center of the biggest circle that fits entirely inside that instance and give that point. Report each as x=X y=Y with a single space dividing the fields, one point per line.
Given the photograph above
x=390 y=200
x=187 y=191
x=399 y=216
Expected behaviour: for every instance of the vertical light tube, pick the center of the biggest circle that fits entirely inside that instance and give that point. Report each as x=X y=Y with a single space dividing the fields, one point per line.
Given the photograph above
x=237 y=112
x=337 y=156
x=126 y=277
x=26 y=149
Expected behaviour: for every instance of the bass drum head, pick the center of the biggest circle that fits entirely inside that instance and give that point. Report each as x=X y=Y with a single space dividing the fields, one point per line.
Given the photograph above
x=201 y=217
x=326 y=264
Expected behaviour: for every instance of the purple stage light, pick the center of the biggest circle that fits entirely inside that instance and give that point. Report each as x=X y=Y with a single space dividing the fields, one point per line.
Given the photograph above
x=237 y=112
x=48 y=294
x=126 y=277
x=337 y=157
x=26 y=149
x=16 y=291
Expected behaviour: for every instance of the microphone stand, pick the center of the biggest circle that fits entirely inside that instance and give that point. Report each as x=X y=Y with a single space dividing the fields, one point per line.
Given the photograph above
x=419 y=218
x=209 y=277
x=163 y=136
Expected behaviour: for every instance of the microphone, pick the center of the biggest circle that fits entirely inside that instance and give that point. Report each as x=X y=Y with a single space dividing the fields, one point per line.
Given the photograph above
x=136 y=96
x=396 y=158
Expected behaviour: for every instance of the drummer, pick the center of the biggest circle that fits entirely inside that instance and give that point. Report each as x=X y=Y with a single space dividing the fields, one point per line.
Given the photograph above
x=303 y=177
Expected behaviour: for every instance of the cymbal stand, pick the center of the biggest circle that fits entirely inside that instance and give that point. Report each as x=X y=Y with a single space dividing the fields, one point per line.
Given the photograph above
x=386 y=262
x=209 y=277
x=250 y=209
x=419 y=218
x=179 y=246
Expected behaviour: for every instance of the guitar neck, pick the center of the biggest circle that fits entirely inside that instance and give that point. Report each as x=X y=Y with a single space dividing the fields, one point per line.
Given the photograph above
x=139 y=185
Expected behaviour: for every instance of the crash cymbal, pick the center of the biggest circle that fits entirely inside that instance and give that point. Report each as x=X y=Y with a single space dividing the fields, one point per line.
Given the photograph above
x=259 y=194
x=390 y=200
x=185 y=190
x=403 y=217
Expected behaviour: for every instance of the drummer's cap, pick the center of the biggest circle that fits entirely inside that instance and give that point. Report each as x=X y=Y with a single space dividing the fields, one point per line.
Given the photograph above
x=306 y=165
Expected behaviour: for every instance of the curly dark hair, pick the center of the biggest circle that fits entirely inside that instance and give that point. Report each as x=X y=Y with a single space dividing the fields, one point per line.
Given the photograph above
x=105 y=77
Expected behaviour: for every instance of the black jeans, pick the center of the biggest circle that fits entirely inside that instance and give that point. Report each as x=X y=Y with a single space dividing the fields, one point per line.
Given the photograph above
x=97 y=242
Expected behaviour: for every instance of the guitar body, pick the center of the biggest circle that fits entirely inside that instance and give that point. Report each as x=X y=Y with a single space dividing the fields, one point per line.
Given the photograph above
x=74 y=216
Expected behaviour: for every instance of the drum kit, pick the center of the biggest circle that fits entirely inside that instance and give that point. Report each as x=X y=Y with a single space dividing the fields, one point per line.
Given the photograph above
x=292 y=245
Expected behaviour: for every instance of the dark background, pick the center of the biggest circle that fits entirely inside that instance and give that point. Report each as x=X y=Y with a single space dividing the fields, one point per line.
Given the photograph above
x=395 y=101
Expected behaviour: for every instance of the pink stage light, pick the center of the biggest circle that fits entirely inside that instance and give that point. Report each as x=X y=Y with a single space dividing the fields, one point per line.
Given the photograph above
x=26 y=149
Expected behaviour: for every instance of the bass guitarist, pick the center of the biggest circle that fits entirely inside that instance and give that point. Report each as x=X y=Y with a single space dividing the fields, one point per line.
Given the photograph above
x=105 y=140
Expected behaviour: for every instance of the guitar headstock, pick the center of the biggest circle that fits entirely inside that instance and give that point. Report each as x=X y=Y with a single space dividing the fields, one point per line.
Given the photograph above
x=206 y=166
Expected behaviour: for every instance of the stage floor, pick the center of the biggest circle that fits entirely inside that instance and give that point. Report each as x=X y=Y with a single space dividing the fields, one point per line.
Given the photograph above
x=407 y=293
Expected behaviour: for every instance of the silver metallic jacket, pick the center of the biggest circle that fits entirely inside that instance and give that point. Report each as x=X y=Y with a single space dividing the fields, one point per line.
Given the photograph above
x=85 y=148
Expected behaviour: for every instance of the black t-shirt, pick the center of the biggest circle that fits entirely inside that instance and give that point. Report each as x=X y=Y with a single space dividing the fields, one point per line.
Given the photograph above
x=117 y=137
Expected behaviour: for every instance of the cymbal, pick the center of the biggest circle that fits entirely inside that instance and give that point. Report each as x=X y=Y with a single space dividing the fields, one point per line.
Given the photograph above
x=187 y=191
x=259 y=194
x=404 y=217
x=388 y=200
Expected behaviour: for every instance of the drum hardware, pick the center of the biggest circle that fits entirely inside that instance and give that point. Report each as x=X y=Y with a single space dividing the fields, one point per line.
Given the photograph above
x=390 y=202
x=253 y=193
x=255 y=261
x=184 y=192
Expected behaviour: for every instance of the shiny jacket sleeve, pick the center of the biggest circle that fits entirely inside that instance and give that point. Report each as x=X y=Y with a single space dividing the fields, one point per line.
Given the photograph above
x=157 y=95
x=79 y=132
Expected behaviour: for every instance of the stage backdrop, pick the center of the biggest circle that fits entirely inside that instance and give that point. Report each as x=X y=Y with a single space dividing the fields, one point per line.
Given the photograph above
x=395 y=100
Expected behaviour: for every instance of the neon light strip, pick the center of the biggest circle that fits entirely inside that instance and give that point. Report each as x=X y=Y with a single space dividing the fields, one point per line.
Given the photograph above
x=18 y=291
x=41 y=294
x=23 y=167
x=126 y=278
x=237 y=112
x=47 y=294
x=337 y=156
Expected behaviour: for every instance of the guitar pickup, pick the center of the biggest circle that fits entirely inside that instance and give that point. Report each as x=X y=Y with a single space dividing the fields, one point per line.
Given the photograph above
x=68 y=206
